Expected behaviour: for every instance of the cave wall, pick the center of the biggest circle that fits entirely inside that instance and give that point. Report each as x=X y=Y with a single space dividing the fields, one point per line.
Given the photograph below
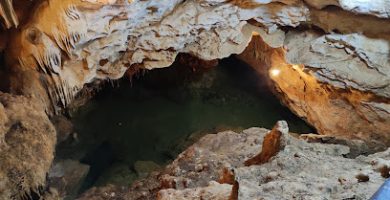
x=342 y=45
x=332 y=57
x=87 y=40
x=344 y=112
x=27 y=143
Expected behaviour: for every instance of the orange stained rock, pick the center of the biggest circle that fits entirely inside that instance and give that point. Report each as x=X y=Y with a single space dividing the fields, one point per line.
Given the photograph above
x=271 y=147
x=234 y=194
x=227 y=176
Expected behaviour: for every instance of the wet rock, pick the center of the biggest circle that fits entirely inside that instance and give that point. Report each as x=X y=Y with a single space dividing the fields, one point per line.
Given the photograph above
x=66 y=177
x=117 y=174
x=144 y=168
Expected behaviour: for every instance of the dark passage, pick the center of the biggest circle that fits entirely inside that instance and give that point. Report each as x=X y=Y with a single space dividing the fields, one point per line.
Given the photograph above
x=162 y=112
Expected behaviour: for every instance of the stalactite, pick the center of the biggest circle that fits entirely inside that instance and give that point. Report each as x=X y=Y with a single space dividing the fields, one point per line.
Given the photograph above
x=52 y=61
x=65 y=38
x=52 y=100
x=8 y=14
x=62 y=41
x=72 y=12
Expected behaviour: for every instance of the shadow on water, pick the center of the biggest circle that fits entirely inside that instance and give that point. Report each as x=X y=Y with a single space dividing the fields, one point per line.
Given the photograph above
x=152 y=118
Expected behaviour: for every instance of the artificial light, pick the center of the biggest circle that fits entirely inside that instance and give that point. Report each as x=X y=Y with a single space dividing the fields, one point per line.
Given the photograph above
x=275 y=72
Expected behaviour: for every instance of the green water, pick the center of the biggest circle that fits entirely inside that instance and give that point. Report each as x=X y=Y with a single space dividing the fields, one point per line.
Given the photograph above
x=152 y=117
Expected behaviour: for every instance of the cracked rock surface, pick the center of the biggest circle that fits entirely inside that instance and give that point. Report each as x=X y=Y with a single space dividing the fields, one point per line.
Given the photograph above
x=300 y=170
x=329 y=81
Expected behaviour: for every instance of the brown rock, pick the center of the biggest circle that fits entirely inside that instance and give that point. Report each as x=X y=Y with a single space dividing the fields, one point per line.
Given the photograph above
x=227 y=176
x=64 y=127
x=362 y=178
x=27 y=142
x=272 y=144
x=302 y=170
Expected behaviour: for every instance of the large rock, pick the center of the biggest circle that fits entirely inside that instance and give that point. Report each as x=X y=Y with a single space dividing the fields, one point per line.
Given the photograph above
x=27 y=142
x=67 y=176
x=213 y=168
x=297 y=172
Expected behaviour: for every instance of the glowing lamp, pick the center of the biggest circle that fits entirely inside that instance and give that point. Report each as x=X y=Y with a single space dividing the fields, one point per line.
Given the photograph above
x=275 y=72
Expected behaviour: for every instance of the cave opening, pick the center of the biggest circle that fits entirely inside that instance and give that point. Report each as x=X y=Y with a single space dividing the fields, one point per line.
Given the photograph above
x=134 y=126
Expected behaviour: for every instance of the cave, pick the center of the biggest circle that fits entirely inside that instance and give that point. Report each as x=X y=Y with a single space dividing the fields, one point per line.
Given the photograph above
x=144 y=122
x=194 y=99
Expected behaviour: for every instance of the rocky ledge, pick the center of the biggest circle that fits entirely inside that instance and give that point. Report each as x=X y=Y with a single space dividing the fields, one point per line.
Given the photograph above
x=259 y=164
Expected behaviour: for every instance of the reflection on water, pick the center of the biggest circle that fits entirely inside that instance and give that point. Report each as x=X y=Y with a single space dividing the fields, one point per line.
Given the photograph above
x=153 y=118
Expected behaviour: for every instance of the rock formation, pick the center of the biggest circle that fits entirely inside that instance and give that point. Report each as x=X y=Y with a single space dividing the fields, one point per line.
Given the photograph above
x=328 y=61
x=27 y=142
x=299 y=170
x=87 y=40
x=328 y=95
x=66 y=177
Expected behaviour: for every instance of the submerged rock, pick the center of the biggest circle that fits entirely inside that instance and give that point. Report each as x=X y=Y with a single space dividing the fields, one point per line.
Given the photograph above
x=66 y=176
x=117 y=174
x=144 y=168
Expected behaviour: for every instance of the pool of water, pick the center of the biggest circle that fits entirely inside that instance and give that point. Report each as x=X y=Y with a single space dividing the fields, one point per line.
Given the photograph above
x=158 y=114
